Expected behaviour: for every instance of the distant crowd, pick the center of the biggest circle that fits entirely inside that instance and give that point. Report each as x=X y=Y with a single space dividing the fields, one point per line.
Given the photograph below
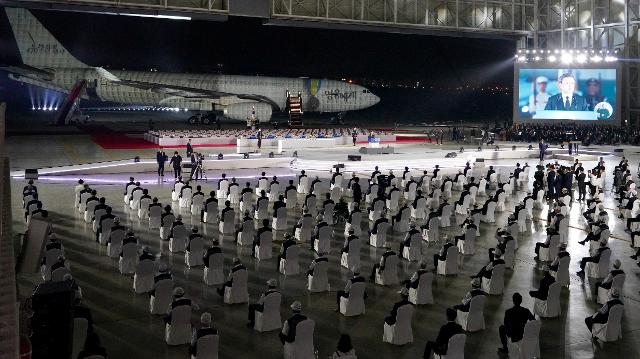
x=559 y=133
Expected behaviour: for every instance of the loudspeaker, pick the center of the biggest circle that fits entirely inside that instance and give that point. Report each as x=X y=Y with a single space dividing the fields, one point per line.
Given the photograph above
x=245 y=155
x=31 y=173
x=354 y=157
x=271 y=155
x=339 y=165
x=451 y=155
x=614 y=150
x=136 y=159
x=52 y=321
x=220 y=156
x=479 y=159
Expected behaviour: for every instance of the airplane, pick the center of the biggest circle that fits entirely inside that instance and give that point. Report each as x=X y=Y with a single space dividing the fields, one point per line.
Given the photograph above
x=48 y=64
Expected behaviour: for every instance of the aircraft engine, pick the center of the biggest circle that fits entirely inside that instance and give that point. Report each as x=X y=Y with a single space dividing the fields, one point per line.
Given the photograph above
x=245 y=110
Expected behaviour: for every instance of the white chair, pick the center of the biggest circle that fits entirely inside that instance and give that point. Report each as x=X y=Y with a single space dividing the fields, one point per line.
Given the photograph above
x=128 y=258
x=414 y=251
x=473 y=320
x=402 y=225
x=165 y=229
x=263 y=185
x=379 y=239
x=468 y=246
x=107 y=224
x=214 y=272
x=462 y=208
x=194 y=254
x=227 y=224
x=410 y=194
x=509 y=255
x=88 y=212
x=310 y=202
x=482 y=187
x=450 y=265
x=289 y=266
x=82 y=207
x=96 y=218
x=529 y=346
x=303 y=233
x=143 y=277
x=373 y=193
x=432 y=234
x=114 y=247
x=548 y=254
x=419 y=211
x=351 y=259
x=495 y=285
x=245 y=202
x=155 y=217
x=237 y=293
x=549 y=308
x=401 y=332
x=318 y=282
x=185 y=198
x=539 y=202
x=434 y=200
x=563 y=230
x=447 y=189
x=269 y=318
x=612 y=330
x=207 y=347
x=161 y=297
x=246 y=234
x=274 y=192
x=424 y=293
x=143 y=208
x=197 y=202
x=455 y=348
x=175 y=194
x=178 y=239
x=600 y=269
x=337 y=183
x=603 y=294
x=234 y=195
x=291 y=199
x=336 y=194
x=392 y=202
x=211 y=213
x=279 y=222
x=473 y=192
x=445 y=218
x=178 y=332
x=80 y=330
x=562 y=275
x=490 y=217
x=303 y=185
x=328 y=213
x=528 y=204
x=262 y=209
x=388 y=276
x=500 y=204
x=263 y=248
x=223 y=191
x=356 y=220
x=522 y=220
x=354 y=304
x=376 y=213
x=302 y=346
x=460 y=182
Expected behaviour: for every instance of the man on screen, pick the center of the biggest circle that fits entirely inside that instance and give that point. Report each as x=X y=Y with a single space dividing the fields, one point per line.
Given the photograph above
x=567 y=99
x=538 y=101
x=593 y=93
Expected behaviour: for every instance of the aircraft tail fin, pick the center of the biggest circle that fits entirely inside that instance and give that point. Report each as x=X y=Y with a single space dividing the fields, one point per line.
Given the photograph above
x=38 y=47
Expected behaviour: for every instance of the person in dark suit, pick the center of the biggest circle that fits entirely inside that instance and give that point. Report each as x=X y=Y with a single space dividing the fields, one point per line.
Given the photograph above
x=545 y=283
x=515 y=318
x=176 y=161
x=448 y=330
x=161 y=158
x=542 y=147
x=567 y=99
x=189 y=148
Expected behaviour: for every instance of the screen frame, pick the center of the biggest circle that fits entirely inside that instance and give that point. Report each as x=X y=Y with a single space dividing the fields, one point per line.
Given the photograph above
x=551 y=66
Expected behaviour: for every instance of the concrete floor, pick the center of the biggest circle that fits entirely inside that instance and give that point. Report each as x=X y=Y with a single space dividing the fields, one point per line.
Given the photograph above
x=128 y=330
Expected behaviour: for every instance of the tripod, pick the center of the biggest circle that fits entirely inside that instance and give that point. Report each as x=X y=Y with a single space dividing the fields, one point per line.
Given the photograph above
x=199 y=169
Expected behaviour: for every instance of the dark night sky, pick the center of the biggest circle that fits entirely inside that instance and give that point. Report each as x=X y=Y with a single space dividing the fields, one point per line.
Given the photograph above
x=245 y=46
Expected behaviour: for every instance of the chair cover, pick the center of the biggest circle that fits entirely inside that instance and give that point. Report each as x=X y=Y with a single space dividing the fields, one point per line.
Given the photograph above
x=379 y=239
x=450 y=265
x=269 y=318
x=128 y=259
x=237 y=293
x=351 y=259
x=468 y=246
x=161 y=297
x=529 y=346
x=227 y=224
x=400 y=333
x=424 y=293
x=211 y=213
x=302 y=347
x=279 y=223
x=354 y=304
x=178 y=332
x=143 y=277
x=303 y=234
x=549 y=308
x=318 y=282
x=612 y=330
x=155 y=215
x=495 y=285
x=414 y=251
x=194 y=255
x=600 y=269
x=290 y=266
x=263 y=249
x=214 y=273
x=389 y=276
x=178 y=240
x=165 y=230
x=197 y=202
x=455 y=348
x=246 y=234
x=473 y=320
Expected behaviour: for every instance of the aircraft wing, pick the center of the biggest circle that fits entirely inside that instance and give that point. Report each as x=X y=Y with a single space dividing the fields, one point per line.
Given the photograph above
x=194 y=93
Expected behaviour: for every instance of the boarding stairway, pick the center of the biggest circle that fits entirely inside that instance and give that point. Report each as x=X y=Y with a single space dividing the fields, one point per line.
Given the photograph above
x=294 y=109
x=70 y=103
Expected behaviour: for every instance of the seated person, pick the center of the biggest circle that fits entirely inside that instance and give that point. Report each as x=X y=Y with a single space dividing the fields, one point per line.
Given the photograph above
x=476 y=283
x=602 y=315
x=591 y=259
x=546 y=281
x=442 y=255
x=608 y=281
x=404 y=300
x=441 y=345
x=515 y=319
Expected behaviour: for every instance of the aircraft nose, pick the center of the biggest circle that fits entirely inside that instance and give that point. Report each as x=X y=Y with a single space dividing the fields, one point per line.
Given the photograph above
x=376 y=99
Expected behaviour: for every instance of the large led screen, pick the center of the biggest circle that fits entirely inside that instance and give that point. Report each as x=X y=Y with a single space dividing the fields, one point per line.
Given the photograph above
x=567 y=94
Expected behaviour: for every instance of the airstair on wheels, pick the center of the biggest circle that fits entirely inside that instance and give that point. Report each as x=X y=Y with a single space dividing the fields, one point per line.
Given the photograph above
x=294 y=108
x=70 y=103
